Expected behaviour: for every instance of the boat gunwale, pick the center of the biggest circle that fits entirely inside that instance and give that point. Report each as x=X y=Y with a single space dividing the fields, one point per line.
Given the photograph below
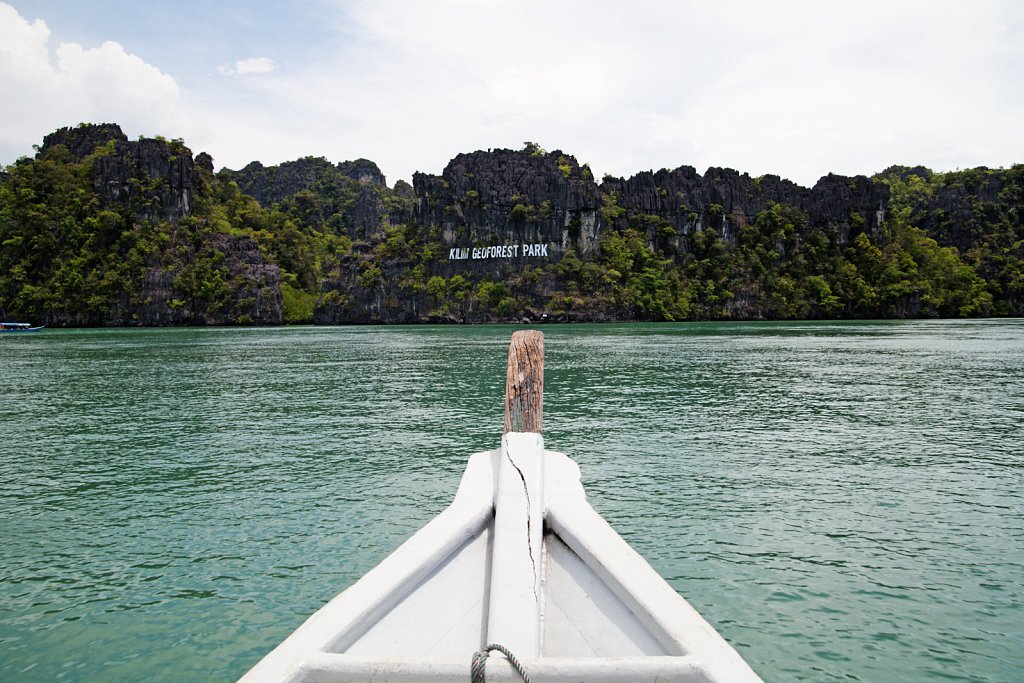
x=667 y=616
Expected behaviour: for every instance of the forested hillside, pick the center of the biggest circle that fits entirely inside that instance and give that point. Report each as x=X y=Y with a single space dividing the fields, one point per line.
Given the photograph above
x=101 y=230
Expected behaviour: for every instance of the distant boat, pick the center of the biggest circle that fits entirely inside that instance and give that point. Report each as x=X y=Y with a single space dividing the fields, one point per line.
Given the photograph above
x=520 y=564
x=19 y=327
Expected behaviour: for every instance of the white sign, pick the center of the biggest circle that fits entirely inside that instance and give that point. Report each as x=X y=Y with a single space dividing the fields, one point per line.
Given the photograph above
x=503 y=251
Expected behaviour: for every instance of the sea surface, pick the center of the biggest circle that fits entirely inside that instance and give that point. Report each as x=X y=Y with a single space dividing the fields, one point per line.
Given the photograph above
x=844 y=501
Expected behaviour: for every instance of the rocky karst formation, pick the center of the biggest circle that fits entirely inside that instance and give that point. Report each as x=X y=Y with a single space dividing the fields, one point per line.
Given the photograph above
x=959 y=213
x=271 y=184
x=254 y=297
x=154 y=178
x=155 y=182
x=503 y=196
x=347 y=197
x=724 y=199
x=175 y=243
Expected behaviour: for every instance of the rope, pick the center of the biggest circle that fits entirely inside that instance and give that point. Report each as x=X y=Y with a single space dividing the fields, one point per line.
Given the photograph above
x=476 y=669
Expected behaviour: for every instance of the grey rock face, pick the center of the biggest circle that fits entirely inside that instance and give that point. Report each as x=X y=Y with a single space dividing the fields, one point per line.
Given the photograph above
x=156 y=182
x=83 y=140
x=255 y=292
x=723 y=198
x=343 y=198
x=154 y=178
x=505 y=197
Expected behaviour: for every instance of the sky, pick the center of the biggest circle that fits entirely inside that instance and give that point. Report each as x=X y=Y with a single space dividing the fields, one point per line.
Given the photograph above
x=798 y=88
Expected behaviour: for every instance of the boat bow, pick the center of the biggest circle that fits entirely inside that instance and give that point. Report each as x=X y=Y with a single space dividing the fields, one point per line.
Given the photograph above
x=518 y=559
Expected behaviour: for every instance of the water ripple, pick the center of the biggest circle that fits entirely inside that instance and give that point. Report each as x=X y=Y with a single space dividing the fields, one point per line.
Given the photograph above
x=842 y=500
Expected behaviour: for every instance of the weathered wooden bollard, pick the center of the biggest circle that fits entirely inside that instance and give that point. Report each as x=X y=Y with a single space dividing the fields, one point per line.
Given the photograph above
x=513 y=619
x=524 y=383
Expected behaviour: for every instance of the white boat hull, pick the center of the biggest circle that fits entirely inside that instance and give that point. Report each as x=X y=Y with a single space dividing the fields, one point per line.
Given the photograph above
x=520 y=559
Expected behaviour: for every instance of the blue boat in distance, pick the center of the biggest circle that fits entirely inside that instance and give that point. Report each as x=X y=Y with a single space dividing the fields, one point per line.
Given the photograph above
x=19 y=327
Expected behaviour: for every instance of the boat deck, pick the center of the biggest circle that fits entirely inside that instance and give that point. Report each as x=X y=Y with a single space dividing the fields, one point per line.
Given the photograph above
x=519 y=559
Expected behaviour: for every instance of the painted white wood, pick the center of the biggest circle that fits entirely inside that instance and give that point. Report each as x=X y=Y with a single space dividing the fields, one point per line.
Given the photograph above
x=346 y=618
x=334 y=668
x=514 y=612
x=679 y=628
x=443 y=615
x=582 y=616
x=519 y=558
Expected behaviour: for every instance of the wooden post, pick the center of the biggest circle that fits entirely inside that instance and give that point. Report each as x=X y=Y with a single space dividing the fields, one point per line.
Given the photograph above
x=524 y=383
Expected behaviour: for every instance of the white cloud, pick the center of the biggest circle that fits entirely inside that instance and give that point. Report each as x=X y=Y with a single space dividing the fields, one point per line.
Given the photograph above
x=22 y=45
x=795 y=87
x=413 y=84
x=103 y=84
x=854 y=91
x=245 y=67
x=798 y=88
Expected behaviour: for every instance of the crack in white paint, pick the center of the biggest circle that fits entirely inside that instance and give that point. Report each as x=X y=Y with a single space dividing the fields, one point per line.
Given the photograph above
x=529 y=533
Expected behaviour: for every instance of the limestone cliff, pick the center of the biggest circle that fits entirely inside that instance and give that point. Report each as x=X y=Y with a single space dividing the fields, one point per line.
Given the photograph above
x=102 y=230
x=504 y=196
x=153 y=178
x=145 y=259
x=345 y=198
x=726 y=199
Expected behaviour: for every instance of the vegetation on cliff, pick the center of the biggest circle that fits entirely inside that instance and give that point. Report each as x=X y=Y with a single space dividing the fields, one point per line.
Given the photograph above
x=99 y=230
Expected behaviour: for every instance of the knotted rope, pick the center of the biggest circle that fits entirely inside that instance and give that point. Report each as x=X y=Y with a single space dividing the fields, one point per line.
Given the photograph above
x=476 y=669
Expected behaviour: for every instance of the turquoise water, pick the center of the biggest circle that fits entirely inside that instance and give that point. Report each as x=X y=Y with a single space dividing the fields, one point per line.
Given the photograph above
x=843 y=501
